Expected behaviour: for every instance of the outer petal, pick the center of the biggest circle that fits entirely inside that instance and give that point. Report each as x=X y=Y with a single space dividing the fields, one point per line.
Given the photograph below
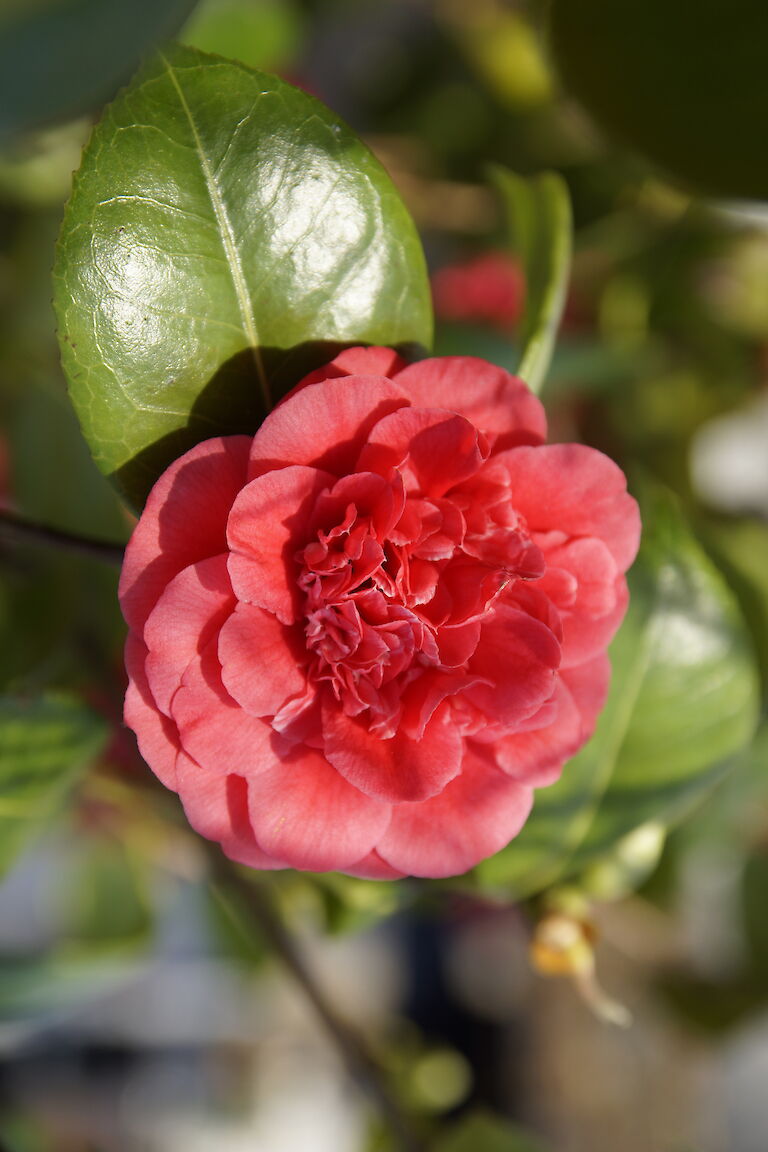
x=323 y=425
x=585 y=637
x=217 y=732
x=397 y=769
x=358 y=362
x=261 y=660
x=435 y=449
x=577 y=491
x=217 y=807
x=304 y=812
x=372 y=867
x=201 y=484
x=536 y=756
x=517 y=657
x=498 y=404
x=268 y=523
x=190 y=611
x=473 y=817
x=157 y=737
x=588 y=684
x=586 y=566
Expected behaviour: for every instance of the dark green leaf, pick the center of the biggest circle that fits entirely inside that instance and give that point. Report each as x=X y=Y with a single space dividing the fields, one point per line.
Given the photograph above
x=61 y=58
x=683 y=700
x=226 y=233
x=682 y=82
x=538 y=217
x=45 y=744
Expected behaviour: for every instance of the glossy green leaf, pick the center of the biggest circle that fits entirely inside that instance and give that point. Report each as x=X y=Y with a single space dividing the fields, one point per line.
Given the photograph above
x=45 y=743
x=63 y=58
x=226 y=233
x=538 y=220
x=683 y=83
x=683 y=701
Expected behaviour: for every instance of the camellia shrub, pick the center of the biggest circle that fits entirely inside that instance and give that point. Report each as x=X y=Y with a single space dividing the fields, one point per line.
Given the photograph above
x=382 y=623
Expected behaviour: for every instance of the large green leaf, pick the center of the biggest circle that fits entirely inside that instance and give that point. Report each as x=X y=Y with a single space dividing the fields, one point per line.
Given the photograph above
x=226 y=233
x=683 y=82
x=62 y=58
x=538 y=218
x=44 y=745
x=683 y=700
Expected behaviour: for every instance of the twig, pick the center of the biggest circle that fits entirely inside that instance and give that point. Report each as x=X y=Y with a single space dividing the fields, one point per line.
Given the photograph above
x=361 y=1065
x=17 y=529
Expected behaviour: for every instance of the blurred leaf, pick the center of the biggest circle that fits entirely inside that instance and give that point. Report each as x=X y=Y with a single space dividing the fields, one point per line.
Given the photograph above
x=506 y=53
x=38 y=170
x=483 y=1132
x=110 y=904
x=233 y=925
x=714 y=1007
x=260 y=33
x=538 y=216
x=61 y=58
x=226 y=234
x=755 y=903
x=683 y=83
x=683 y=701
x=741 y=548
x=38 y=989
x=45 y=744
x=347 y=903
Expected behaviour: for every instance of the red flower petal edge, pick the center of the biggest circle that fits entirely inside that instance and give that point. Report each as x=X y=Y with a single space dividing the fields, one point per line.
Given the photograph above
x=360 y=639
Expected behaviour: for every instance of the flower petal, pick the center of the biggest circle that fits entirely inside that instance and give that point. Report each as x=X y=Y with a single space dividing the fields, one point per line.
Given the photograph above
x=575 y=490
x=499 y=404
x=435 y=450
x=584 y=637
x=323 y=425
x=156 y=735
x=268 y=523
x=517 y=657
x=357 y=362
x=536 y=756
x=261 y=660
x=372 y=867
x=476 y=815
x=190 y=611
x=588 y=684
x=398 y=768
x=217 y=807
x=214 y=730
x=304 y=812
x=206 y=479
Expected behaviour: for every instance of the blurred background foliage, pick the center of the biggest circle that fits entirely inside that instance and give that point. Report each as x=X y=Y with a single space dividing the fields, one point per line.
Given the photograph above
x=129 y=1013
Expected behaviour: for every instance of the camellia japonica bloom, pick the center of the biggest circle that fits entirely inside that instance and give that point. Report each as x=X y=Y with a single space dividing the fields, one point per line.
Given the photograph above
x=361 y=638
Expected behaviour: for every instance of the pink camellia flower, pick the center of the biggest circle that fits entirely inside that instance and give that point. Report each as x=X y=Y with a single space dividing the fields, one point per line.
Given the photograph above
x=362 y=637
x=487 y=289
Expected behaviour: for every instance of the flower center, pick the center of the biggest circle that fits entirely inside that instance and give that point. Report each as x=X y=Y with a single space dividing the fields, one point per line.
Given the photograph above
x=385 y=605
x=366 y=644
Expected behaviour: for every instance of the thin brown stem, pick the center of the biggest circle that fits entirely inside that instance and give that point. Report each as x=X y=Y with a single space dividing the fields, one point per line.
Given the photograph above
x=360 y=1063
x=18 y=530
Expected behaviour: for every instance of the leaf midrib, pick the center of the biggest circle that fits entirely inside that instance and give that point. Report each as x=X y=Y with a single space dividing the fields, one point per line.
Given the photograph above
x=229 y=244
